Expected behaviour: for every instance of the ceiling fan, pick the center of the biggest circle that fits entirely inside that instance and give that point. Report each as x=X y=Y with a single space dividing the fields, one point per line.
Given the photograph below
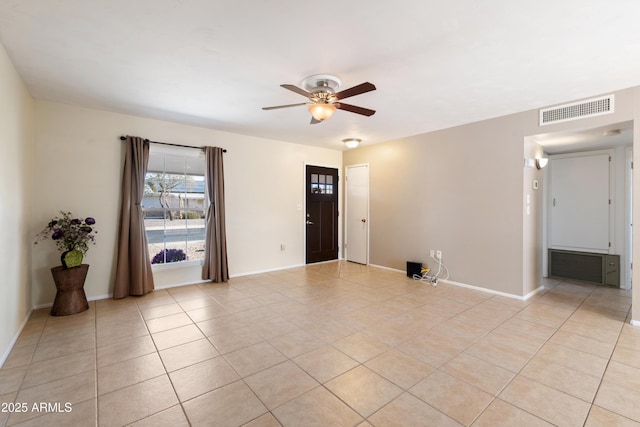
x=321 y=89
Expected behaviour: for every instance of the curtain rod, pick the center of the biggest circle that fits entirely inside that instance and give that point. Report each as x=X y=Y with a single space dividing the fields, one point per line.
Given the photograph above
x=122 y=138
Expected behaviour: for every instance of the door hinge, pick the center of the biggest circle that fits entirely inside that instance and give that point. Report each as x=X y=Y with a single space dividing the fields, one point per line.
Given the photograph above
x=609 y=201
x=609 y=158
x=609 y=244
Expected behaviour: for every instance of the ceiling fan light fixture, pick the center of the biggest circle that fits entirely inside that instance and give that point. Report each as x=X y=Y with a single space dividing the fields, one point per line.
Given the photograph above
x=352 y=142
x=321 y=112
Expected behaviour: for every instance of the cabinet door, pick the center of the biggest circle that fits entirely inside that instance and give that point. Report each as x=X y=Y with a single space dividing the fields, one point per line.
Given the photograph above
x=580 y=203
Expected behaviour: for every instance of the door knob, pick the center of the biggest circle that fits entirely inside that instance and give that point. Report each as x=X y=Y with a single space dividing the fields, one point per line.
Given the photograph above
x=309 y=222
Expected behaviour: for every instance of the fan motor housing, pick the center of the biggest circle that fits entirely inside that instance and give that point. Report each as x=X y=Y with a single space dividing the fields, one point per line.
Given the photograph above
x=319 y=83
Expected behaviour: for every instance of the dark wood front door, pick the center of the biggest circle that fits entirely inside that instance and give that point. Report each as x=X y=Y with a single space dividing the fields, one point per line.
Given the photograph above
x=322 y=214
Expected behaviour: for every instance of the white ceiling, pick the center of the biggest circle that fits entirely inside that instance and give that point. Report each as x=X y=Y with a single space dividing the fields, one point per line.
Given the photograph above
x=436 y=64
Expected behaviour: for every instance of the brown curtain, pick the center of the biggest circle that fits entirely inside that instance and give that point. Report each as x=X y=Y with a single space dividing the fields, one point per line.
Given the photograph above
x=215 y=266
x=133 y=271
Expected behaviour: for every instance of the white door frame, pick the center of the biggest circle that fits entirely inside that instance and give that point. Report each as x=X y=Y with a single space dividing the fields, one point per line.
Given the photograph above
x=346 y=222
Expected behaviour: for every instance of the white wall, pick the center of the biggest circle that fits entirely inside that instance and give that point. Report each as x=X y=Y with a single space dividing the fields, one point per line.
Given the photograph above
x=78 y=167
x=16 y=143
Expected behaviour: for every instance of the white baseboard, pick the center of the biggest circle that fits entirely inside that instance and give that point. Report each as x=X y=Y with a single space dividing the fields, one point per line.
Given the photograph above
x=635 y=322
x=15 y=338
x=491 y=291
x=476 y=288
x=271 y=270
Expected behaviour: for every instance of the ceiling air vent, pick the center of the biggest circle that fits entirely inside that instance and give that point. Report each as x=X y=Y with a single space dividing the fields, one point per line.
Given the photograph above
x=577 y=110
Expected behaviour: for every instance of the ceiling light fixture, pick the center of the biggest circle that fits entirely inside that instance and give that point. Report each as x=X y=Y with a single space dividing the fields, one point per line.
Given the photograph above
x=321 y=112
x=352 y=142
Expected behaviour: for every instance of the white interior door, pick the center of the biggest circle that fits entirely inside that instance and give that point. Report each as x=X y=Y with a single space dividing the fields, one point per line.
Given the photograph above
x=580 y=203
x=357 y=207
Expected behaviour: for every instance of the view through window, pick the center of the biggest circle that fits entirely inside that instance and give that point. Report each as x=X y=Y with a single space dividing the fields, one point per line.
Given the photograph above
x=174 y=204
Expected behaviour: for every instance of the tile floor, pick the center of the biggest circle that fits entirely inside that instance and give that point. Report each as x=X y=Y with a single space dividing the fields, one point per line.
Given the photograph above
x=334 y=344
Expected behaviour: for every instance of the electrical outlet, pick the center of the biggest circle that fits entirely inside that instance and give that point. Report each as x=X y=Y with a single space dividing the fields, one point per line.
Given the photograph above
x=432 y=253
x=283 y=247
x=439 y=255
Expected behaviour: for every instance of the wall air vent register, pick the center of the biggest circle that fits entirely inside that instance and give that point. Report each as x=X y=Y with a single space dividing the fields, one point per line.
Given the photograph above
x=577 y=110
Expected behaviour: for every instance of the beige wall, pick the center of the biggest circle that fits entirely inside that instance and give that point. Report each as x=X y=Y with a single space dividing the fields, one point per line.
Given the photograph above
x=16 y=142
x=78 y=167
x=463 y=191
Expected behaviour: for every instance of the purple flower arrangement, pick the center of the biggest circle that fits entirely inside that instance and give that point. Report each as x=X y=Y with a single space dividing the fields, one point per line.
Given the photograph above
x=69 y=233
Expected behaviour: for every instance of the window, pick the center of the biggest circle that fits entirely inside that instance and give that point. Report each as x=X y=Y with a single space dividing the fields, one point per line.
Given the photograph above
x=174 y=204
x=321 y=184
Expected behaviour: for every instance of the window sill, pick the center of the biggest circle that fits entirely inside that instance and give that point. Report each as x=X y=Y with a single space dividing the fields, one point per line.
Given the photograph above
x=174 y=265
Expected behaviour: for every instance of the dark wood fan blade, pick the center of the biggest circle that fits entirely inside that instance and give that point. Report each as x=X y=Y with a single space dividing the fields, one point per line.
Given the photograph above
x=356 y=90
x=296 y=89
x=314 y=121
x=355 y=109
x=284 y=106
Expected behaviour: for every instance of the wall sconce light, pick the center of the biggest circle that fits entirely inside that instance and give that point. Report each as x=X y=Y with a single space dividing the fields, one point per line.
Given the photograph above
x=352 y=142
x=537 y=163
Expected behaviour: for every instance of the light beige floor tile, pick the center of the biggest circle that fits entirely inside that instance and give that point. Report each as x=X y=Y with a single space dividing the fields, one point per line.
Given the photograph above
x=570 y=381
x=227 y=342
x=252 y=359
x=624 y=375
x=202 y=377
x=207 y=312
x=619 y=399
x=177 y=336
x=8 y=400
x=432 y=349
x=188 y=354
x=545 y=314
x=504 y=357
x=599 y=417
x=11 y=379
x=118 y=333
x=361 y=347
x=457 y=399
x=399 y=368
x=173 y=417
x=65 y=347
x=296 y=343
x=363 y=390
x=156 y=311
x=477 y=339
x=74 y=389
x=596 y=332
x=76 y=415
x=129 y=372
x=317 y=407
x=508 y=338
x=479 y=373
x=231 y=405
x=582 y=343
x=168 y=322
x=501 y=413
x=279 y=384
x=530 y=328
x=630 y=337
x=574 y=359
x=325 y=363
x=627 y=356
x=266 y=420
x=408 y=410
x=545 y=402
x=124 y=350
x=136 y=402
x=61 y=367
x=20 y=356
